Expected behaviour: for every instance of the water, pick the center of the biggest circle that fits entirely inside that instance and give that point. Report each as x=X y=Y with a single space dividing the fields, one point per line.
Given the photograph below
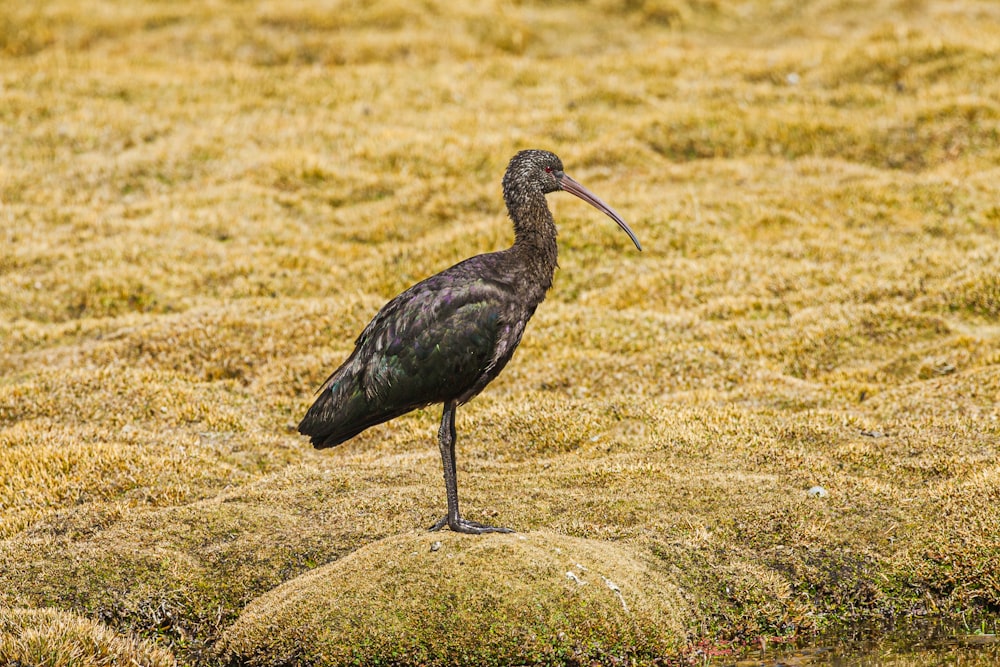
x=923 y=646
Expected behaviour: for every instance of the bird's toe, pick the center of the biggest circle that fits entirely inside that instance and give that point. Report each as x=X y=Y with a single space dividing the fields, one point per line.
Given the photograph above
x=476 y=528
x=460 y=525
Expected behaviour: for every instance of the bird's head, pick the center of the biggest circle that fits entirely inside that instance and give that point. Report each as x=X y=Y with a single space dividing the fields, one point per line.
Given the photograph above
x=538 y=171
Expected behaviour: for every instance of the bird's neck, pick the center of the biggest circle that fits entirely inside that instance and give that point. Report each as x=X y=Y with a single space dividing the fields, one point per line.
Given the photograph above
x=535 y=242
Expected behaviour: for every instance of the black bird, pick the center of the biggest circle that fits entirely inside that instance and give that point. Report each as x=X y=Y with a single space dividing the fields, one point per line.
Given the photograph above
x=444 y=339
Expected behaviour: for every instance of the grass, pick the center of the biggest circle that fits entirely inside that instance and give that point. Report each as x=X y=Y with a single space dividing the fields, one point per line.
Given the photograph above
x=59 y=639
x=203 y=204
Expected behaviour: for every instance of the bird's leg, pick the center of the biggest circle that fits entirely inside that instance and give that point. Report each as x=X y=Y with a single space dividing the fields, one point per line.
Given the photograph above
x=446 y=440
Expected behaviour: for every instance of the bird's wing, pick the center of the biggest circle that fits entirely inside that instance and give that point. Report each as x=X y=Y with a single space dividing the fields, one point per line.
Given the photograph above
x=432 y=342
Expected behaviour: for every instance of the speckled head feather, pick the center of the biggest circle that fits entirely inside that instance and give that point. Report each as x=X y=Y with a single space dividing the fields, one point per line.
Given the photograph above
x=529 y=172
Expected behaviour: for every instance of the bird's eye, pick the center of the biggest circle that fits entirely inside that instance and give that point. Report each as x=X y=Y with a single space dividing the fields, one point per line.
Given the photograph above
x=548 y=170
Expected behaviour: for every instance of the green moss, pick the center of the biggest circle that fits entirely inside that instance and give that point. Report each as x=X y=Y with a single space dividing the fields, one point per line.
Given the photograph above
x=497 y=600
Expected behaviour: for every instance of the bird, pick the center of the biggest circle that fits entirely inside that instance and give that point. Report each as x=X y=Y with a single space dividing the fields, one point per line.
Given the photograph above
x=447 y=337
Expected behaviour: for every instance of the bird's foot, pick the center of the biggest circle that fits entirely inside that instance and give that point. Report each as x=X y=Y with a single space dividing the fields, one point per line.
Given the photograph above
x=460 y=525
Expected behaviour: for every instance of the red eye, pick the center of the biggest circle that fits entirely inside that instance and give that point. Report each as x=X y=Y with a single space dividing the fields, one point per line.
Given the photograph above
x=548 y=170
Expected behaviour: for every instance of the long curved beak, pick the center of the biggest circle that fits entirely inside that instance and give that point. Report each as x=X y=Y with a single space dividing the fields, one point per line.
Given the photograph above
x=573 y=187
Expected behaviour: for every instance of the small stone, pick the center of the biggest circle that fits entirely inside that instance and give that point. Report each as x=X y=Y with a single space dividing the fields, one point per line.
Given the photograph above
x=436 y=546
x=817 y=492
x=617 y=591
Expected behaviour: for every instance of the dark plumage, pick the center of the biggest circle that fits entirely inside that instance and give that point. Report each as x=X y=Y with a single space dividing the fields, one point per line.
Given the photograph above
x=444 y=339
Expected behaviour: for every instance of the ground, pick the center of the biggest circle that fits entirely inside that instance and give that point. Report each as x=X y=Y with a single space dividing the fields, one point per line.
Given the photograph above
x=780 y=416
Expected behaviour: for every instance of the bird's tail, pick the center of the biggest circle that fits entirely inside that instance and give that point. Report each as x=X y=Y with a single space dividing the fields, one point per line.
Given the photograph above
x=342 y=411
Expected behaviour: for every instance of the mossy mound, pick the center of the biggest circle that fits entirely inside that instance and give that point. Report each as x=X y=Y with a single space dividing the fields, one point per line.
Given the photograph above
x=423 y=598
x=59 y=639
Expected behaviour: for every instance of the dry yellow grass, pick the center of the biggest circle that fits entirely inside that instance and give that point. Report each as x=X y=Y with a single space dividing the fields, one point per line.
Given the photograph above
x=201 y=204
x=58 y=639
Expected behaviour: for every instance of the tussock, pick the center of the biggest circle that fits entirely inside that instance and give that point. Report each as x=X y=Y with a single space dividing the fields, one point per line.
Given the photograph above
x=536 y=597
x=58 y=639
